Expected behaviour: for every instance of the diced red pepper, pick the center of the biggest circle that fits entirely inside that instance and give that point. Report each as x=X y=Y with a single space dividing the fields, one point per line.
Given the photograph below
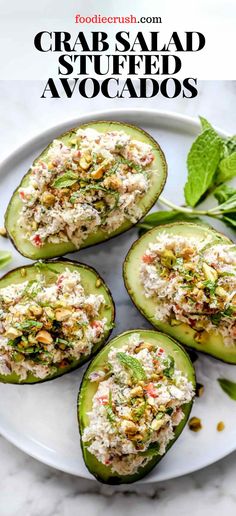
x=103 y=400
x=37 y=240
x=151 y=390
x=22 y=194
x=147 y=258
x=95 y=324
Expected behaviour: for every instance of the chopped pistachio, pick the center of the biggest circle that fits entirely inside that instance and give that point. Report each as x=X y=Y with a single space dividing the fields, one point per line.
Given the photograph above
x=157 y=424
x=44 y=337
x=61 y=314
x=136 y=392
x=195 y=424
x=221 y=292
x=23 y=273
x=98 y=283
x=48 y=199
x=209 y=272
x=168 y=258
x=13 y=333
x=220 y=426
x=36 y=310
x=3 y=232
x=199 y=390
x=174 y=322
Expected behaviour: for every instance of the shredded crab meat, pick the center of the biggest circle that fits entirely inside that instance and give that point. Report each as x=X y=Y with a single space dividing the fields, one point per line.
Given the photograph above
x=194 y=283
x=93 y=183
x=131 y=421
x=44 y=327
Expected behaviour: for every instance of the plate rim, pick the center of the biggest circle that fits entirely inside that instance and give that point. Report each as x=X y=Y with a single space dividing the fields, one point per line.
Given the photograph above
x=24 y=443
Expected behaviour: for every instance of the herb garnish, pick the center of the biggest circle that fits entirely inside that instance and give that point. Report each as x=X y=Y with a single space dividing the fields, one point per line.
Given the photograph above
x=110 y=414
x=67 y=179
x=228 y=387
x=169 y=364
x=133 y=364
x=211 y=162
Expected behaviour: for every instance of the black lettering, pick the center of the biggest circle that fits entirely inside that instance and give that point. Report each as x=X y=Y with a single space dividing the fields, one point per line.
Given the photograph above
x=189 y=87
x=123 y=41
x=38 y=41
x=50 y=88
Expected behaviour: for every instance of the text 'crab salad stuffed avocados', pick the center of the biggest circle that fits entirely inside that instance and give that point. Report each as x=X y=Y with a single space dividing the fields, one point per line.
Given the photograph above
x=182 y=277
x=88 y=185
x=53 y=317
x=134 y=402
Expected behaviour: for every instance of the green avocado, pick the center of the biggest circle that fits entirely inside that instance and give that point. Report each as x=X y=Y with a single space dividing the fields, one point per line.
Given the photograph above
x=88 y=389
x=210 y=343
x=49 y=250
x=92 y=284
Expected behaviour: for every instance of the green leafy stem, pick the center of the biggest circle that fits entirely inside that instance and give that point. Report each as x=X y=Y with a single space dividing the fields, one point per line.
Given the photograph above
x=211 y=163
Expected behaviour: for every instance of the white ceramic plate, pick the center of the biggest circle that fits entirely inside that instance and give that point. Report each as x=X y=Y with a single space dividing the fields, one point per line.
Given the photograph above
x=41 y=419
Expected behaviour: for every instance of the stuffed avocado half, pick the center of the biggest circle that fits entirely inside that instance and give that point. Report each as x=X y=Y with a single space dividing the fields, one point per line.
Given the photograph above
x=53 y=317
x=182 y=278
x=90 y=184
x=134 y=401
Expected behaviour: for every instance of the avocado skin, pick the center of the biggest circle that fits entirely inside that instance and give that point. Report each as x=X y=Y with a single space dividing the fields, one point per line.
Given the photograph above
x=30 y=380
x=49 y=251
x=101 y=472
x=184 y=337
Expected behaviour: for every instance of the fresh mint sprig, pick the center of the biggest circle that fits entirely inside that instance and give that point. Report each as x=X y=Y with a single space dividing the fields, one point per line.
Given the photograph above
x=211 y=162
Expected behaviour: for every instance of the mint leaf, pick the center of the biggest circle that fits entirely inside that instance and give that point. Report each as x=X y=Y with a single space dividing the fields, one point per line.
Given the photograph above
x=133 y=365
x=205 y=124
x=68 y=179
x=5 y=258
x=228 y=387
x=230 y=146
x=229 y=205
x=109 y=410
x=223 y=193
x=28 y=324
x=226 y=169
x=169 y=364
x=202 y=162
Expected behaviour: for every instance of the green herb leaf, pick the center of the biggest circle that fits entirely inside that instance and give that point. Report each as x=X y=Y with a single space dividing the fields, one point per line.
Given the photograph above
x=5 y=258
x=205 y=124
x=211 y=286
x=203 y=159
x=223 y=193
x=28 y=324
x=110 y=414
x=133 y=364
x=153 y=449
x=228 y=387
x=67 y=179
x=169 y=364
x=229 y=205
x=138 y=412
x=230 y=146
x=226 y=169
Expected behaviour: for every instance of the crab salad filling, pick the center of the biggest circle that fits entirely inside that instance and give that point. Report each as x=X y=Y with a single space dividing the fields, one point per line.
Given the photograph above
x=137 y=406
x=47 y=326
x=192 y=282
x=93 y=183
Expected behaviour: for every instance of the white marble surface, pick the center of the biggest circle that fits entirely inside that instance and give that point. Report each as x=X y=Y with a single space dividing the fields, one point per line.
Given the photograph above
x=31 y=488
